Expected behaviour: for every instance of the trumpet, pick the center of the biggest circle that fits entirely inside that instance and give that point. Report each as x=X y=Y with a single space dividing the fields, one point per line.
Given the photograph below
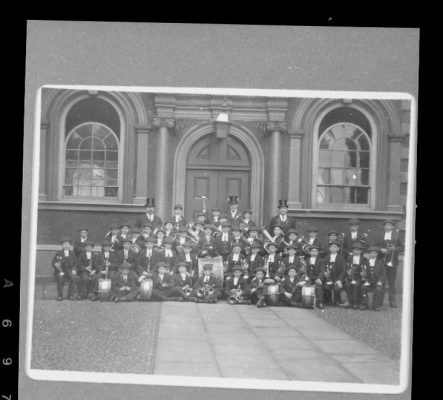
x=236 y=296
x=193 y=239
x=206 y=291
x=364 y=275
x=305 y=245
x=328 y=275
x=351 y=271
x=134 y=247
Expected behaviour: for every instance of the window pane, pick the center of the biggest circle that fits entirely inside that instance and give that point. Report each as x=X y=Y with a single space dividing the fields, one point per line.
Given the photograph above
x=111 y=191
x=98 y=156
x=99 y=131
x=322 y=195
x=364 y=142
x=85 y=155
x=336 y=194
x=326 y=141
x=97 y=144
x=111 y=156
x=71 y=163
x=86 y=144
x=364 y=159
x=74 y=140
x=84 y=131
x=336 y=177
x=111 y=142
x=362 y=195
x=111 y=164
x=71 y=154
x=69 y=174
x=111 y=174
x=324 y=175
x=325 y=158
x=338 y=158
x=68 y=190
x=350 y=159
x=365 y=176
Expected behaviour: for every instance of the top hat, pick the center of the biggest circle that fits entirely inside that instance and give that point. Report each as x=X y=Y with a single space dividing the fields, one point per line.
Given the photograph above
x=233 y=199
x=65 y=239
x=150 y=202
x=283 y=203
x=354 y=221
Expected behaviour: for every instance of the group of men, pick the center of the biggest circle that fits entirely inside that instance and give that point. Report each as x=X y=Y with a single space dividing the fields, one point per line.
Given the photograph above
x=257 y=262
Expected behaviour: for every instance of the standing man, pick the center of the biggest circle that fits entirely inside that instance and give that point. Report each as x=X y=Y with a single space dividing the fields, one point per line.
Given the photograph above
x=390 y=245
x=79 y=243
x=283 y=218
x=149 y=217
x=178 y=218
x=233 y=214
x=353 y=236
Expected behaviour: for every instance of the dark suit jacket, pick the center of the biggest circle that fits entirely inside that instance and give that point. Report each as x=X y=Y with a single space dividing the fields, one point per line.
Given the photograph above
x=206 y=248
x=353 y=271
x=144 y=262
x=336 y=269
x=233 y=220
x=118 y=281
x=112 y=258
x=258 y=262
x=348 y=242
x=231 y=261
x=180 y=282
x=288 y=224
x=182 y=222
x=274 y=267
x=143 y=219
x=318 y=242
x=83 y=263
x=382 y=243
x=78 y=247
x=315 y=271
x=167 y=281
x=287 y=286
x=67 y=263
x=212 y=281
x=192 y=266
x=223 y=248
x=376 y=273
x=132 y=258
x=171 y=261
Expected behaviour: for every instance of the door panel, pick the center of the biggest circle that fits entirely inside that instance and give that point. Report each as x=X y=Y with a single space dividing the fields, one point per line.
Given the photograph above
x=234 y=183
x=200 y=183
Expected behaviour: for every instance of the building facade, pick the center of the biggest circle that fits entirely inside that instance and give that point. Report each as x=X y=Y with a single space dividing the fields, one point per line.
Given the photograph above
x=103 y=153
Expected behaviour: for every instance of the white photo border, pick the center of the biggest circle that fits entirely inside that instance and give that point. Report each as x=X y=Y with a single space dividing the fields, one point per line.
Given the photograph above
x=191 y=381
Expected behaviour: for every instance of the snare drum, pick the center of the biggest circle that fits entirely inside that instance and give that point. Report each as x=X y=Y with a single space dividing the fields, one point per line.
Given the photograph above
x=308 y=297
x=104 y=289
x=273 y=294
x=146 y=289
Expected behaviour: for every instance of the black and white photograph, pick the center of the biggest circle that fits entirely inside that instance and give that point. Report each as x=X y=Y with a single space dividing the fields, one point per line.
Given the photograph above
x=205 y=234
x=218 y=211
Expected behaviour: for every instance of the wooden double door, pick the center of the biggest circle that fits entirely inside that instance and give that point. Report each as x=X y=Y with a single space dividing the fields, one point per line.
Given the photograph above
x=217 y=169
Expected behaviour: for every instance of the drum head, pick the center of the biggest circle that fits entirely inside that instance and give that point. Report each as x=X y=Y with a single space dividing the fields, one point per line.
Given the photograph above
x=308 y=297
x=104 y=289
x=146 y=289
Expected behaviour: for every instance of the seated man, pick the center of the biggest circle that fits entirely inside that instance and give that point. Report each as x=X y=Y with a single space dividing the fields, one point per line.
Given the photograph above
x=236 y=286
x=355 y=265
x=314 y=273
x=183 y=281
x=124 y=284
x=256 y=291
x=207 y=289
x=88 y=267
x=163 y=285
x=291 y=287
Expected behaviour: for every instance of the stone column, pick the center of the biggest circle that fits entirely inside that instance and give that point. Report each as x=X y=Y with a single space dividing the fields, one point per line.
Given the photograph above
x=162 y=165
x=273 y=184
x=42 y=190
x=295 y=162
x=395 y=144
x=141 y=188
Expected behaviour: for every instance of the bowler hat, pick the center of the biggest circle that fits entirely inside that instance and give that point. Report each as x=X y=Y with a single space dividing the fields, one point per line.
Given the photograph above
x=255 y=245
x=187 y=243
x=208 y=226
x=388 y=221
x=314 y=246
x=65 y=239
x=178 y=207
x=236 y=267
x=290 y=267
x=358 y=245
x=161 y=264
x=126 y=240
x=335 y=242
x=292 y=246
x=354 y=221
x=292 y=230
x=83 y=229
x=333 y=233
x=247 y=212
x=124 y=265
x=237 y=244
x=180 y=264
x=259 y=269
x=374 y=248
x=125 y=224
x=277 y=226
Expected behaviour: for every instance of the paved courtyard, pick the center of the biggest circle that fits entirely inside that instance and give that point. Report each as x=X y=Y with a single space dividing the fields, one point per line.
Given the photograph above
x=212 y=340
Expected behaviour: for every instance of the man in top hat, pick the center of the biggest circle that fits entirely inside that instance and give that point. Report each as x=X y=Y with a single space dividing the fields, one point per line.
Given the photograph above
x=315 y=271
x=124 y=286
x=80 y=242
x=391 y=246
x=282 y=219
x=223 y=241
x=149 y=216
x=206 y=246
x=236 y=285
x=333 y=283
x=65 y=270
x=163 y=288
x=355 y=265
x=207 y=288
x=353 y=236
x=88 y=266
x=112 y=236
x=373 y=280
x=291 y=286
x=178 y=219
x=126 y=255
x=148 y=257
x=233 y=215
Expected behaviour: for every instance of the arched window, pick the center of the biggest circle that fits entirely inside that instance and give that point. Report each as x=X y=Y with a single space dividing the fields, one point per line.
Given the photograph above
x=91 y=161
x=344 y=159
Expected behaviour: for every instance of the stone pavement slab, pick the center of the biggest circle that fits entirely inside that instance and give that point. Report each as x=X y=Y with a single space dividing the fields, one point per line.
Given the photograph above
x=272 y=343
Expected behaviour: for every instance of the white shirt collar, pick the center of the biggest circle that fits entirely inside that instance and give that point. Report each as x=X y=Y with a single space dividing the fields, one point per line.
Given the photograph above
x=188 y=256
x=354 y=235
x=253 y=257
x=235 y=257
x=312 y=260
x=271 y=257
x=372 y=261
x=388 y=235
x=333 y=257
x=356 y=260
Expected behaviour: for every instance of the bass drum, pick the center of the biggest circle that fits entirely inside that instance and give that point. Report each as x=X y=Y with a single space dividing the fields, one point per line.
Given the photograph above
x=104 y=289
x=308 y=297
x=146 y=289
x=273 y=294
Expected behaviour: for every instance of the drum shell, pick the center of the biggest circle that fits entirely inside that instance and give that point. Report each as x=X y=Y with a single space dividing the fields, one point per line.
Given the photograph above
x=146 y=289
x=308 y=297
x=273 y=294
x=104 y=289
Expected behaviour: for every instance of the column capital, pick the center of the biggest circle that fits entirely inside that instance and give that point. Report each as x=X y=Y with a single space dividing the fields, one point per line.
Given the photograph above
x=163 y=122
x=396 y=137
x=142 y=129
x=276 y=126
x=296 y=133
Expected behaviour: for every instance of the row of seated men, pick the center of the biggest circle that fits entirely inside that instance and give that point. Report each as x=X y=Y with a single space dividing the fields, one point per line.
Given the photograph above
x=336 y=279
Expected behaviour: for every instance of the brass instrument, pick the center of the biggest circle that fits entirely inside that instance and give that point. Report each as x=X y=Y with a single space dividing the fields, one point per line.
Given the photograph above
x=236 y=296
x=390 y=246
x=59 y=265
x=134 y=247
x=193 y=239
x=351 y=272
x=267 y=234
x=205 y=291
x=245 y=268
x=305 y=245
x=188 y=290
x=267 y=268
x=328 y=274
x=217 y=231
x=364 y=275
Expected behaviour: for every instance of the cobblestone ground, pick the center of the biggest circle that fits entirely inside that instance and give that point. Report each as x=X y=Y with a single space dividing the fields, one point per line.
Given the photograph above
x=380 y=330
x=94 y=336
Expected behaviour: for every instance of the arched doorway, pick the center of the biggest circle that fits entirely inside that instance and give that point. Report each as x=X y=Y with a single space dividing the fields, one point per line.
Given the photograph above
x=217 y=168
